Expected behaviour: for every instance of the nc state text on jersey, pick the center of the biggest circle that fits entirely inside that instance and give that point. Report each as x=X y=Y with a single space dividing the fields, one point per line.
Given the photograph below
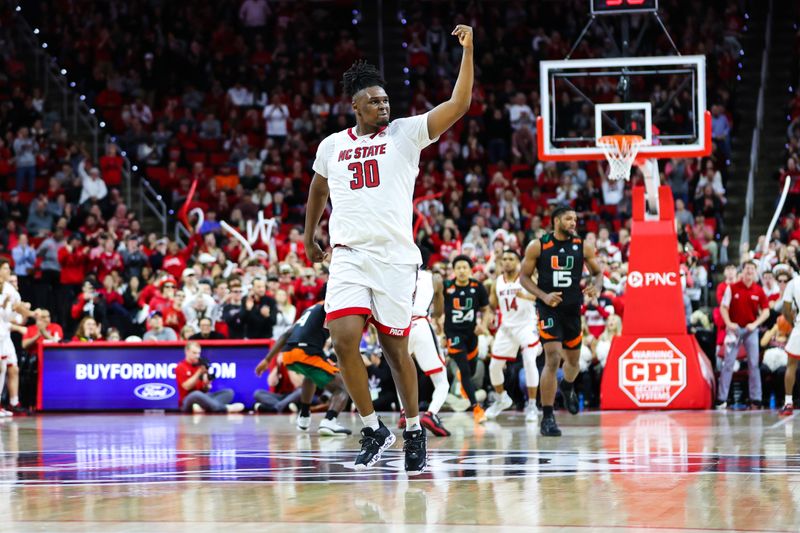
x=362 y=151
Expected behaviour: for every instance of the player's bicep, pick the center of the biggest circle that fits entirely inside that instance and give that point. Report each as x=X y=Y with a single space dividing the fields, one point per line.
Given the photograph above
x=319 y=186
x=493 y=301
x=590 y=258
x=443 y=116
x=532 y=253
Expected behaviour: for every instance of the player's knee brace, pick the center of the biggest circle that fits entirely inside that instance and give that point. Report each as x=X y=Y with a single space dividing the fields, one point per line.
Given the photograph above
x=496 y=367
x=529 y=360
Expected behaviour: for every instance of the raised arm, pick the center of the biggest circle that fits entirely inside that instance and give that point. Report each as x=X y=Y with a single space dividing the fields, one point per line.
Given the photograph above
x=317 y=200
x=447 y=113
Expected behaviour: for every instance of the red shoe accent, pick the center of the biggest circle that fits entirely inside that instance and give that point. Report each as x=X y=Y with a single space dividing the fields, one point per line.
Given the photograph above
x=786 y=410
x=433 y=424
x=402 y=422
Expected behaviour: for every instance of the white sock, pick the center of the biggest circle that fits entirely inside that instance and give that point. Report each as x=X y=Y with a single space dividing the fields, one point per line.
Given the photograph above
x=529 y=355
x=788 y=399
x=496 y=367
x=13 y=401
x=371 y=421
x=440 y=388
x=412 y=423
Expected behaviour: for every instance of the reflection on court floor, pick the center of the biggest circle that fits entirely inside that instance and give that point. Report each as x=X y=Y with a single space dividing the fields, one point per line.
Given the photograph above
x=680 y=470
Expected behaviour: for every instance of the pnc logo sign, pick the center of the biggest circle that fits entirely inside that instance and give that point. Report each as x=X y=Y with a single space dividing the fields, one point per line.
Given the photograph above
x=638 y=279
x=652 y=372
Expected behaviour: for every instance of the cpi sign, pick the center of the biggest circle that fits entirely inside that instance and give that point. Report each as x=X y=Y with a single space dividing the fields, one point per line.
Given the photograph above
x=652 y=372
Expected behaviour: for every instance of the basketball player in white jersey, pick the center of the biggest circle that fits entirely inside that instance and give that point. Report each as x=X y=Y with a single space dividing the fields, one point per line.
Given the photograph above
x=368 y=171
x=518 y=329
x=791 y=303
x=12 y=308
x=423 y=346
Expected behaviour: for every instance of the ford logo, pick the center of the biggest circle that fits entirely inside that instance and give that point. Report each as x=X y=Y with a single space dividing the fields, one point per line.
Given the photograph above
x=154 y=391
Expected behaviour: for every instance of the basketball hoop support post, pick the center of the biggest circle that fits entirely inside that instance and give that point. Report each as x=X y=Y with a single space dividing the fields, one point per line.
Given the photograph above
x=655 y=363
x=652 y=180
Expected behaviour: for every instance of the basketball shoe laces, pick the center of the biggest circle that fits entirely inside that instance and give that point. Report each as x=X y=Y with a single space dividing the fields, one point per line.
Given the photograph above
x=369 y=444
x=414 y=445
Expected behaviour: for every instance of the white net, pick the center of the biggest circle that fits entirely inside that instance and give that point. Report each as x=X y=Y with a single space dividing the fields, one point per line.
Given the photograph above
x=620 y=151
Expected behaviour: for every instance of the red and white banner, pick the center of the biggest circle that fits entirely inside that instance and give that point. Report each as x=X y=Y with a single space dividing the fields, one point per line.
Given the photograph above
x=655 y=364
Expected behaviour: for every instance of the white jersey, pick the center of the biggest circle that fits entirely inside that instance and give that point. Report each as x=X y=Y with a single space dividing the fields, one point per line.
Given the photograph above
x=791 y=294
x=423 y=297
x=371 y=181
x=9 y=297
x=518 y=313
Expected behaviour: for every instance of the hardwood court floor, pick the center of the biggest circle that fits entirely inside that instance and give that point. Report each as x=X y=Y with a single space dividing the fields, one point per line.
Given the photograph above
x=614 y=471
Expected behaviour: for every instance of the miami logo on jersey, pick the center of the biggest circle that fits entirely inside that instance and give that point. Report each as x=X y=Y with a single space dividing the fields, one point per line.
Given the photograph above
x=555 y=264
x=458 y=305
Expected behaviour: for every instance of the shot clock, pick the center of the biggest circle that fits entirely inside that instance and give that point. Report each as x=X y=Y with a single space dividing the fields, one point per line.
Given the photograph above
x=621 y=7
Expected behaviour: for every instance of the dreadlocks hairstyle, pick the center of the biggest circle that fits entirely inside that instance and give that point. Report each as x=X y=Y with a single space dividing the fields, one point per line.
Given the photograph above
x=360 y=76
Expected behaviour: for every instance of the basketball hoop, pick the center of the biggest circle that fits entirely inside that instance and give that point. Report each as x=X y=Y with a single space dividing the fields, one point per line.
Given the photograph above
x=620 y=151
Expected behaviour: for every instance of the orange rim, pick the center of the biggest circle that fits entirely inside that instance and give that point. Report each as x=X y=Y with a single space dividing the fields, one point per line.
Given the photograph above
x=619 y=140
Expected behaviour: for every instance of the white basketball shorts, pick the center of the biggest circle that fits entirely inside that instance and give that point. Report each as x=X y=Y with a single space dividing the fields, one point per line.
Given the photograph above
x=793 y=345
x=361 y=285
x=422 y=344
x=7 y=351
x=508 y=341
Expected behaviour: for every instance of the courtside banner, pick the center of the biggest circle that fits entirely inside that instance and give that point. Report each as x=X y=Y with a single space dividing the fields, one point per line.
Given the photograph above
x=118 y=375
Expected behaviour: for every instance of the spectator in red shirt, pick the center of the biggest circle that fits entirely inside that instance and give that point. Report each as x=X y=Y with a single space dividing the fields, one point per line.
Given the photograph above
x=89 y=303
x=176 y=259
x=744 y=308
x=307 y=290
x=194 y=384
x=74 y=260
x=40 y=332
x=111 y=166
x=293 y=244
x=108 y=260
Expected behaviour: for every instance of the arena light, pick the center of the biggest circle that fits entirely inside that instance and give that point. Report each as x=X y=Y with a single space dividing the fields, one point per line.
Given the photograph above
x=134 y=168
x=72 y=84
x=19 y=8
x=405 y=44
x=102 y=124
x=63 y=72
x=44 y=45
x=405 y=70
x=36 y=31
x=123 y=153
x=91 y=111
x=171 y=211
x=406 y=82
x=83 y=97
x=158 y=197
x=741 y=52
x=355 y=22
x=403 y=21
